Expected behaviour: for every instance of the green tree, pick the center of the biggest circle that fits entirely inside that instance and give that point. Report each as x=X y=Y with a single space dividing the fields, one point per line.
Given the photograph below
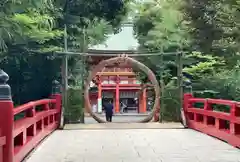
x=215 y=26
x=160 y=25
x=31 y=30
x=10 y=30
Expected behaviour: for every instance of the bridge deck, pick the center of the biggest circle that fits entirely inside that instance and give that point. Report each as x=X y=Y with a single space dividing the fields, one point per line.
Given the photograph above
x=133 y=145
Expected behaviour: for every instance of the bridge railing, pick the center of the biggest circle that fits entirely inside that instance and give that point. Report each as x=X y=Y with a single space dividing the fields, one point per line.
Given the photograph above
x=2 y=144
x=23 y=127
x=223 y=125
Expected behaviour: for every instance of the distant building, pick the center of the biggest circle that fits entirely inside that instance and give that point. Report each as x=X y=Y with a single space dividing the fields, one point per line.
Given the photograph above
x=118 y=84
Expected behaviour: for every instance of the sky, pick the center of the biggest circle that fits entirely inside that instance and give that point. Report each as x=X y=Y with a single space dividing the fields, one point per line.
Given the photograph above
x=122 y=41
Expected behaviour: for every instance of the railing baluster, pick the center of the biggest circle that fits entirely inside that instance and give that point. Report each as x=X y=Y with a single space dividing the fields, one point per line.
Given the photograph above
x=232 y=116
x=24 y=137
x=206 y=107
x=31 y=112
x=46 y=106
x=217 y=124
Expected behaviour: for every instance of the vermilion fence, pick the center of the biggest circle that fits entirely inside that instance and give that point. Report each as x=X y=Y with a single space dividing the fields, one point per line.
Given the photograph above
x=39 y=119
x=23 y=127
x=223 y=125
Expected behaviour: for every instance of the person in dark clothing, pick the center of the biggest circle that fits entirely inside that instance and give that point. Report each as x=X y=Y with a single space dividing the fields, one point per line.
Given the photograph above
x=108 y=111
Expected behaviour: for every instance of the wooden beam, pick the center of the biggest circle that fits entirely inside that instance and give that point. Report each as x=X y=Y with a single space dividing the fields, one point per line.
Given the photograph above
x=116 y=73
x=121 y=85
x=121 y=88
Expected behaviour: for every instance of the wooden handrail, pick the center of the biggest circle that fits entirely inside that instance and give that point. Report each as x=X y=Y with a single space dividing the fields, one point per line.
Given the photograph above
x=31 y=105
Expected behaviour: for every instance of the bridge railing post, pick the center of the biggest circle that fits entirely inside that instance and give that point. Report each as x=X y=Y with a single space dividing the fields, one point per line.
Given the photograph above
x=186 y=98
x=207 y=107
x=233 y=129
x=56 y=94
x=6 y=117
x=234 y=124
x=237 y=116
x=185 y=106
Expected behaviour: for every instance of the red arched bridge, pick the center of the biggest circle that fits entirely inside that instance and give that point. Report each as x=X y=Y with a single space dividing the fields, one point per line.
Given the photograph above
x=18 y=137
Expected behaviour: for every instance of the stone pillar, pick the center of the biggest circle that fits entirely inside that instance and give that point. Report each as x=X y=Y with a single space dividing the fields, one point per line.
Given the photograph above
x=6 y=117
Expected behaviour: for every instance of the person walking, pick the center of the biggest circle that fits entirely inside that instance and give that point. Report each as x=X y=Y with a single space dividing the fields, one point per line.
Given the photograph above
x=108 y=111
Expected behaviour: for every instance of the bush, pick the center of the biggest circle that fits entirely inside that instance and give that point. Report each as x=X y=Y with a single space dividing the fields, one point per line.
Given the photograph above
x=224 y=85
x=74 y=112
x=169 y=110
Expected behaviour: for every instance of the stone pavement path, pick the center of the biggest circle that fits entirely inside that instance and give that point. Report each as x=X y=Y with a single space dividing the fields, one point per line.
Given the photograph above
x=118 y=118
x=133 y=145
x=153 y=125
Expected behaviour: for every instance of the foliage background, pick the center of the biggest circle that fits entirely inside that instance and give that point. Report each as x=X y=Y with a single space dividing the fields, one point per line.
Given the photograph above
x=210 y=29
x=32 y=30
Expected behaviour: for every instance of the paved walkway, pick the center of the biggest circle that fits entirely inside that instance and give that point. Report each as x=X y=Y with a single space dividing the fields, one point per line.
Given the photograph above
x=152 y=125
x=133 y=145
x=118 y=118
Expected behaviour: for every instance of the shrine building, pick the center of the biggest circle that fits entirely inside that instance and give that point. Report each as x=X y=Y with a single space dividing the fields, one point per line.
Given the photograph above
x=117 y=83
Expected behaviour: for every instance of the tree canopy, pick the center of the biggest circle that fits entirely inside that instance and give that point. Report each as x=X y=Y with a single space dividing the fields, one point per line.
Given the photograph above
x=30 y=30
x=208 y=31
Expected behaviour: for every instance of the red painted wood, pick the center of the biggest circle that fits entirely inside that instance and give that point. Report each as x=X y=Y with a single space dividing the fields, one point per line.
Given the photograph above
x=121 y=88
x=29 y=131
x=117 y=100
x=30 y=105
x=2 y=143
x=19 y=137
x=20 y=152
x=6 y=127
x=1 y=154
x=117 y=96
x=211 y=122
x=143 y=102
x=121 y=85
